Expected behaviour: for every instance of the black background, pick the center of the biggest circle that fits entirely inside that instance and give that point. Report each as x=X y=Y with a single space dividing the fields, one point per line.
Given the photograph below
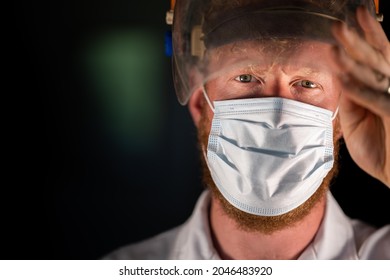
x=63 y=198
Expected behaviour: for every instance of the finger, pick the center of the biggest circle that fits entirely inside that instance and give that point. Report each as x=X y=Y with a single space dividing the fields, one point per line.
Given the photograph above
x=365 y=75
x=373 y=31
x=360 y=50
x=378 y=102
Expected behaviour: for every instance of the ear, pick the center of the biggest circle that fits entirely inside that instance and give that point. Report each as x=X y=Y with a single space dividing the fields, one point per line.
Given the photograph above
x=195 y=106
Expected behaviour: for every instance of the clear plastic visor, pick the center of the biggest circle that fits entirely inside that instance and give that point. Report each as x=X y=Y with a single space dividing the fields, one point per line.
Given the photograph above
x=255 y=53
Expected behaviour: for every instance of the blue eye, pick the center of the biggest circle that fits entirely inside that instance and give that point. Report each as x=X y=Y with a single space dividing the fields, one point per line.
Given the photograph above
x=245 y=78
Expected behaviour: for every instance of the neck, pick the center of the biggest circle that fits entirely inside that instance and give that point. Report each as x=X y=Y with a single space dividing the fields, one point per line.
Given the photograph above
x=232 y=242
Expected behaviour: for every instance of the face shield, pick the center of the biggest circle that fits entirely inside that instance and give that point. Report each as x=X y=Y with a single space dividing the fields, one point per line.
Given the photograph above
x=236 y=46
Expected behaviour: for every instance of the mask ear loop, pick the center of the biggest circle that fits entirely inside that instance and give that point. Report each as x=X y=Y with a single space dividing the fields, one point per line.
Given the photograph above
x=336 y=112
x=337 y=109
x=207 y=99
x=212 y=109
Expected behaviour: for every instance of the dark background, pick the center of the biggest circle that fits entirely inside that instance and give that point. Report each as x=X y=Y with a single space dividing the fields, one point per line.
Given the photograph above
x=81 y=179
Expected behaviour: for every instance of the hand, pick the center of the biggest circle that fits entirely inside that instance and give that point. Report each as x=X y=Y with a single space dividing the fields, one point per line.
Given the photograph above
x=365 y=103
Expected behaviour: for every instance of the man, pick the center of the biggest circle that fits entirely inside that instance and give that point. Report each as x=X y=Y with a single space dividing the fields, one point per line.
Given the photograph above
x=272 y=86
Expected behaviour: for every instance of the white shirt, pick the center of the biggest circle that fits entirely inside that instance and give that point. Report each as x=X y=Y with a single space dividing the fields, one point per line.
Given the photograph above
x=338 y=237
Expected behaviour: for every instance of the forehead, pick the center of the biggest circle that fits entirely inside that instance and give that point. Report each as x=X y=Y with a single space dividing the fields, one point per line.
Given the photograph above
x=313 y=55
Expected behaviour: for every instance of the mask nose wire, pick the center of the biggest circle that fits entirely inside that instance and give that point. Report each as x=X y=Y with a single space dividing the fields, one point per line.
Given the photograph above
x=207 y=99
x=212 y=107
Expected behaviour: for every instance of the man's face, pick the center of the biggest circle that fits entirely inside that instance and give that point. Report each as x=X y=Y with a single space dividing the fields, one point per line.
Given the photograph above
x=301 y=71
x=298 y=70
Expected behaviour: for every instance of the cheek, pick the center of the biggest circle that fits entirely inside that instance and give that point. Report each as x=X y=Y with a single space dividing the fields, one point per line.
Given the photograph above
x=337 y=132
x=204 y=131
x=329 y=98
x=206 y=119
x=206 y=112
x=333 y=98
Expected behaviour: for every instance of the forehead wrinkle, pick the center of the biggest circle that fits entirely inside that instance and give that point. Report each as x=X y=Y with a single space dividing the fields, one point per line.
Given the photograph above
x=285 y=68
x=305 y=70
x=288 y=56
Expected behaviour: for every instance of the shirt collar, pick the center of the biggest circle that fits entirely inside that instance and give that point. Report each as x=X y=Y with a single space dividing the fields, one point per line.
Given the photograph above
x=335 y=237
x=194 y=241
